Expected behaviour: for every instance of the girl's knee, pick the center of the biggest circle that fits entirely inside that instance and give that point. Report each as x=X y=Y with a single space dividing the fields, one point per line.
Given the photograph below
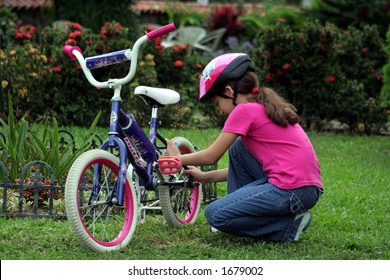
x=211 y=214
x=208 y=213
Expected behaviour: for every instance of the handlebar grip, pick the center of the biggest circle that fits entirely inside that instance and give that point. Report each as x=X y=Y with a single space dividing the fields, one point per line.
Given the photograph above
x=69 y=49
x=161 y=31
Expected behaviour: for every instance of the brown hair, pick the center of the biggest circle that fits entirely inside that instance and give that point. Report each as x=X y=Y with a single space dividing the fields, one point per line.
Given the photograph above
x=277 y=108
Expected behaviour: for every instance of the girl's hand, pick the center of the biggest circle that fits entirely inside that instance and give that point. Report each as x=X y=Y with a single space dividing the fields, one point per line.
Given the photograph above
x=196 y=173
x=172 y=150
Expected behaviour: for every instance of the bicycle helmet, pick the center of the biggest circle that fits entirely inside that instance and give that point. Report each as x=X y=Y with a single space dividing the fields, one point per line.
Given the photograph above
x=220 y=70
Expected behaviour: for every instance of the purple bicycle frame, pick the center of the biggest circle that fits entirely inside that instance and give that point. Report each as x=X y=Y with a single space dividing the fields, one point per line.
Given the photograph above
x=127 y=151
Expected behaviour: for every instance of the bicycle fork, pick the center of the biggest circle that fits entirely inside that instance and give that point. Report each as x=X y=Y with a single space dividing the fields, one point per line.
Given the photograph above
x=118 y=190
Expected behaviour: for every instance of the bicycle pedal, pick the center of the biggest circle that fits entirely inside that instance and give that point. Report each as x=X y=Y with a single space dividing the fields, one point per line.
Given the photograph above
x=169 y=165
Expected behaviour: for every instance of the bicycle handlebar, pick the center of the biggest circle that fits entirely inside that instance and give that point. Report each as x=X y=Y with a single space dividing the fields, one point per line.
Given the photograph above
x=89 y=63
x=69 y=49
x=161 y=31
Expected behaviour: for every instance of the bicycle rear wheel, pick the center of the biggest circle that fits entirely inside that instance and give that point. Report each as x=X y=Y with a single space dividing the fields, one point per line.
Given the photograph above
x=181 y=205
x=97 y=222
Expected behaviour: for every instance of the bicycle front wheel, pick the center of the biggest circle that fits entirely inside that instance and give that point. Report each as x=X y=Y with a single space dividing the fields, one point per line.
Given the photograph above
x=181 y=205
x=94 y=217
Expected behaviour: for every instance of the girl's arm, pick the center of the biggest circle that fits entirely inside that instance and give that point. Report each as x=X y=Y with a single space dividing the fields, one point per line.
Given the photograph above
x=209 y=176
x=209 y=156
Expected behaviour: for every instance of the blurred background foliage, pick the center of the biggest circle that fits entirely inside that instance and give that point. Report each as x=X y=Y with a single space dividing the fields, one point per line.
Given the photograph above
x=327 y=59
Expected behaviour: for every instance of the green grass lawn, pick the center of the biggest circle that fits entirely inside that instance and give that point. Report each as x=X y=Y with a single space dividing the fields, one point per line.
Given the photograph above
x=351 y=221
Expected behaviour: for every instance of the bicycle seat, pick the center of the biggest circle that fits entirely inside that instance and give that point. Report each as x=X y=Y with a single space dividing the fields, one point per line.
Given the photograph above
x=159 y=96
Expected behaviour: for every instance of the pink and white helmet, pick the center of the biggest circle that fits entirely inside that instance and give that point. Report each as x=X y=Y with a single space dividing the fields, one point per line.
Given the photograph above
x=221 y=70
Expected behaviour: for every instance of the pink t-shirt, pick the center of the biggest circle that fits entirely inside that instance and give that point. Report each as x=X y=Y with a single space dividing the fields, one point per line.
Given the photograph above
x=286 y=153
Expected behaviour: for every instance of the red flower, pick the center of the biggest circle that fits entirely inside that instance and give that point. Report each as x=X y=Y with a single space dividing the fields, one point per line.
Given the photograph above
x=199 y=66
x=179 y=63
x=158 y=46
x=25 y=32
x=149 y=28
x=331 y=79
x=73 y=35
x=286 y=66
x=103 y=32
x=175 y=48
x=183 y=47
x=56 y=69
x=365 y=52
x=77 y=26
x=117 y=26
x=70 y=42
x=268 y=76
x=326 y=32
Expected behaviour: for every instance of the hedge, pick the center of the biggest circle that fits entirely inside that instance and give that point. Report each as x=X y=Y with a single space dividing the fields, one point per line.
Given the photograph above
x=326 y=72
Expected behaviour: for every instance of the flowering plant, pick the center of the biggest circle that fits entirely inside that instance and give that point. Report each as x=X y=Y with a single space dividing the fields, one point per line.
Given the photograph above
x=385 y=91
x=227 y=16
x=177 y=70
x=41 y=79
x=326 y=72
x=25 y=33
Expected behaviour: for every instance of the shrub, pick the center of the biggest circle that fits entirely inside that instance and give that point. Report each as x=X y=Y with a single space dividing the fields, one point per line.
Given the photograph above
x=294 y=18
x=185 y=16
x=24 y=69
x=178 y=71
x=93 y=15
x=356 y=13
x=327 y=73
x=45 y=82
x=385 y=91
x=226 y=16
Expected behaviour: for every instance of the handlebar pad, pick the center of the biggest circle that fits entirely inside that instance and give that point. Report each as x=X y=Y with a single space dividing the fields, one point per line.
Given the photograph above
x=69 y=49
x=161 y=31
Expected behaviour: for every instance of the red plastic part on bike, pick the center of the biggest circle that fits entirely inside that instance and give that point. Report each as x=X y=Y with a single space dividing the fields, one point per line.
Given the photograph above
x=169 y=165
x=69 y=49
x=161 y=31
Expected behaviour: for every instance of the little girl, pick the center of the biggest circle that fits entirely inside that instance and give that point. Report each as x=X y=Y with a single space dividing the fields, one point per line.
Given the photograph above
x=273 y=177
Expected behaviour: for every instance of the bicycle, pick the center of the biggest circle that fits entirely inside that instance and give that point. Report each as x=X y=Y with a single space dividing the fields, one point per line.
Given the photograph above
x=107 y=195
